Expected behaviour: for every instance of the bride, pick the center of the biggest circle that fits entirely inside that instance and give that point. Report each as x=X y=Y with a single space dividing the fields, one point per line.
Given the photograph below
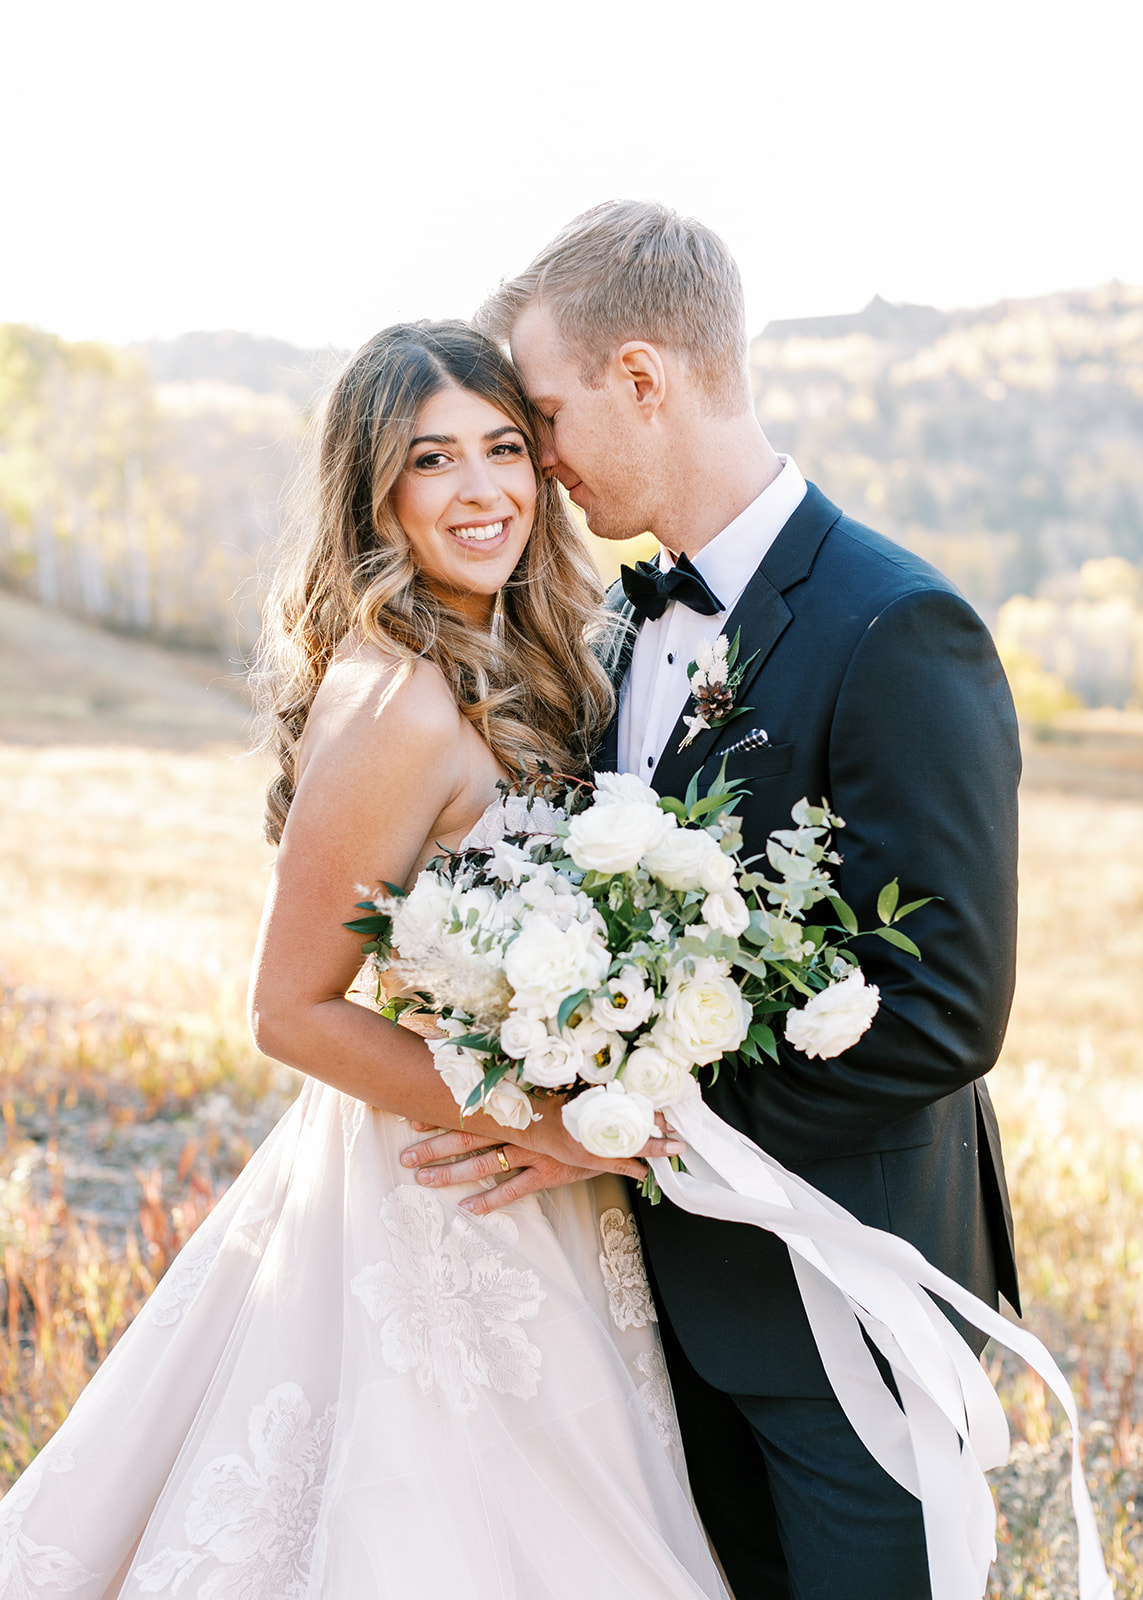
x=347 y=1384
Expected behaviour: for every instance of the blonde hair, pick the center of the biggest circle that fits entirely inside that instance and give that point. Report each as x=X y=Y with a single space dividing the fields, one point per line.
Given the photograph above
x=633 y=269
x=531 y=685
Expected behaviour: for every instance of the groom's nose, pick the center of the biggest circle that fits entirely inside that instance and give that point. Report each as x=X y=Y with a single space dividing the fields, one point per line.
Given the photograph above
x=546 y=448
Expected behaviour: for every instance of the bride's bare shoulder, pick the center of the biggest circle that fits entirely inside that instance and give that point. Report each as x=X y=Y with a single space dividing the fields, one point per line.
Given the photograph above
x=372 y=698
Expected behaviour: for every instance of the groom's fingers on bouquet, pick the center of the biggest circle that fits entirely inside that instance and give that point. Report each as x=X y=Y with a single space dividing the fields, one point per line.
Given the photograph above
x=659 y=1146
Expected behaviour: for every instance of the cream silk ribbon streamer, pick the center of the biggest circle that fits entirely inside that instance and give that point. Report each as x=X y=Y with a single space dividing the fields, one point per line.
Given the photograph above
x=854 y=1277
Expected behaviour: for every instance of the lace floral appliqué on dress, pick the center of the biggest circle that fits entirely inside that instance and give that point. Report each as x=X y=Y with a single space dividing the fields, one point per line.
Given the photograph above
x=256 y=1518
x=449 y=1307
x=621 y=1262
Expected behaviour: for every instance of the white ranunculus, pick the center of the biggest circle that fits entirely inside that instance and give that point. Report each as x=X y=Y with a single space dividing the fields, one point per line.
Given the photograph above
x=622 y=788
x=627 y=1003
x=544 y=964
x=509 y=1105
x=835 y=1019
x=704 y=1014
x=462 y=1070
x=615 y=838
x=520 y=1032
x=552 y=1062
x=726 y=912
x=419 y=919
x=658 y=1076
x=608 y=1121
x=681 y=859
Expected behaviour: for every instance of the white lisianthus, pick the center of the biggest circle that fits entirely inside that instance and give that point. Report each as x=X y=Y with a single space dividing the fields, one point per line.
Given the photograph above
x=658 y=1076
x=552 y=1062
x=682 y=858
x=835 y=1019
x=600 y=1050
x=520 y=1032
x=704 y=1014
x=549 y=893
x=509 y=1105
x=622 y=788
x=509 y=862
x=726 y=912
x=461 y=1070
x=627 y=1003
x=544 y=963
x=608 y=1121
x=616 y=837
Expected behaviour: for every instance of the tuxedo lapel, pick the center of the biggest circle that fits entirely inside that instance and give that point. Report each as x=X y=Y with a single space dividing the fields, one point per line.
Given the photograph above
x=606 y=757
x=762 y=615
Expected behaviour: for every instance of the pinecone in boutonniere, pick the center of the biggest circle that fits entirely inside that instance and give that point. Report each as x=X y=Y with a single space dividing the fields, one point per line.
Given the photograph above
x=715 y=675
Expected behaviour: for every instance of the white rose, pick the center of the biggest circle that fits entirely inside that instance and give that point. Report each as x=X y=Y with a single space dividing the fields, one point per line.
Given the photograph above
x=521 y=1032
x=835 y=1019
x=544 y=964
x=680 y=859
x=462 y=1070
x=509 y=1105
x=615 y=838
x=627 y=1003
x=419 y=919
x=726 y=912
x=622 y=788
x=704 y=1014
x=552 y=1063
x=661 y=1079
x=716 y=872
x=608 y=1121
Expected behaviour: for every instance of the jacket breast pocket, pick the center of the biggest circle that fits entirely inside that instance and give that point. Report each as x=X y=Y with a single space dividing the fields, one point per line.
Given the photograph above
x=747 y=766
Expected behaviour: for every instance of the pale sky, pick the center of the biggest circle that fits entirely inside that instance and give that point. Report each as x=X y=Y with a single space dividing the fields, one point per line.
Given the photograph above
x=314 y=171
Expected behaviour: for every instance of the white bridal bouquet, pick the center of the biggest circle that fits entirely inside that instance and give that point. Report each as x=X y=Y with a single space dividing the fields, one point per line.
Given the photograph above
x=603 y=944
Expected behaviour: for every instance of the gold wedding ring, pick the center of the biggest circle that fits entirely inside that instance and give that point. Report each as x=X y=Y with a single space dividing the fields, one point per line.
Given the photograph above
x=503 y=1159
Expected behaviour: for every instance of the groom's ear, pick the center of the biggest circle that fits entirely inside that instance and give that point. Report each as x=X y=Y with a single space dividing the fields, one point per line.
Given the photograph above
x=641 y=371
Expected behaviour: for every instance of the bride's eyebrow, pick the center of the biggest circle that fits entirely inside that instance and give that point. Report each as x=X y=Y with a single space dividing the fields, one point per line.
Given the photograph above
x=450 y=438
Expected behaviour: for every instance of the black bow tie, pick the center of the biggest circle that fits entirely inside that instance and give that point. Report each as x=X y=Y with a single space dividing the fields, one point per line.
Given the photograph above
x=650 y=590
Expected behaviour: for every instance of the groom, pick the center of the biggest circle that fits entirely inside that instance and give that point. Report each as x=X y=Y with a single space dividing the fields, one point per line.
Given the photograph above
x=872 y=685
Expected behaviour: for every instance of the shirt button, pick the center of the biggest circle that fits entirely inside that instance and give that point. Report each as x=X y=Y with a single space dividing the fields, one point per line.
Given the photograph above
x=670 y=658
x=650 y=761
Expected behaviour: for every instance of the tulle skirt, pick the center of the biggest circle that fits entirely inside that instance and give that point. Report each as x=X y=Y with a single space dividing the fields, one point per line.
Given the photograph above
x=347 y=1387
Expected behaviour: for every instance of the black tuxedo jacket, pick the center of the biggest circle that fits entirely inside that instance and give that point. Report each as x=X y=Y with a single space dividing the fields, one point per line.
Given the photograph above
x=881 y=693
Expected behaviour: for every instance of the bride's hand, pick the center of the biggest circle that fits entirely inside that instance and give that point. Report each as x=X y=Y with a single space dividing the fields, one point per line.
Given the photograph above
x=449 y=1158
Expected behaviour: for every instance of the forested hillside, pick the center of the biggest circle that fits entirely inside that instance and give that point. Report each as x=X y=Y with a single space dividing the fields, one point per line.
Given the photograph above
x=143 y=487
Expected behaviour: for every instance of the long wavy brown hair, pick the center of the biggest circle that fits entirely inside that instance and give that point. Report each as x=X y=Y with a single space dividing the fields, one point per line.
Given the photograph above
x=532 y=683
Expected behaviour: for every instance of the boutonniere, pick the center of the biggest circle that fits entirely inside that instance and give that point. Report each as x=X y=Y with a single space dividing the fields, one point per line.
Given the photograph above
x=715 y=676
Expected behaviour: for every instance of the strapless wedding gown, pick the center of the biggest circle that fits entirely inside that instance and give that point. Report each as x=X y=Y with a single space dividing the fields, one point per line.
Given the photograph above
x=347 y=1388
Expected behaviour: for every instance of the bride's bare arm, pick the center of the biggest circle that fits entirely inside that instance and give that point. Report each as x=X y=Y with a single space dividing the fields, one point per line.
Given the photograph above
x=388 y=766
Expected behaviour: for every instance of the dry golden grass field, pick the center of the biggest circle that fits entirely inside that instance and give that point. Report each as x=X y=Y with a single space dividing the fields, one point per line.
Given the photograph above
x=131 y=876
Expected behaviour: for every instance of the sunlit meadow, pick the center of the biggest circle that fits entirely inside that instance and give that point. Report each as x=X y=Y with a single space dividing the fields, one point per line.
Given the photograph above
x=130 y=885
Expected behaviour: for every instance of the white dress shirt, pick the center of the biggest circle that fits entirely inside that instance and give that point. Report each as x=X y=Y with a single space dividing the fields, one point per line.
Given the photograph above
x=656 y=689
